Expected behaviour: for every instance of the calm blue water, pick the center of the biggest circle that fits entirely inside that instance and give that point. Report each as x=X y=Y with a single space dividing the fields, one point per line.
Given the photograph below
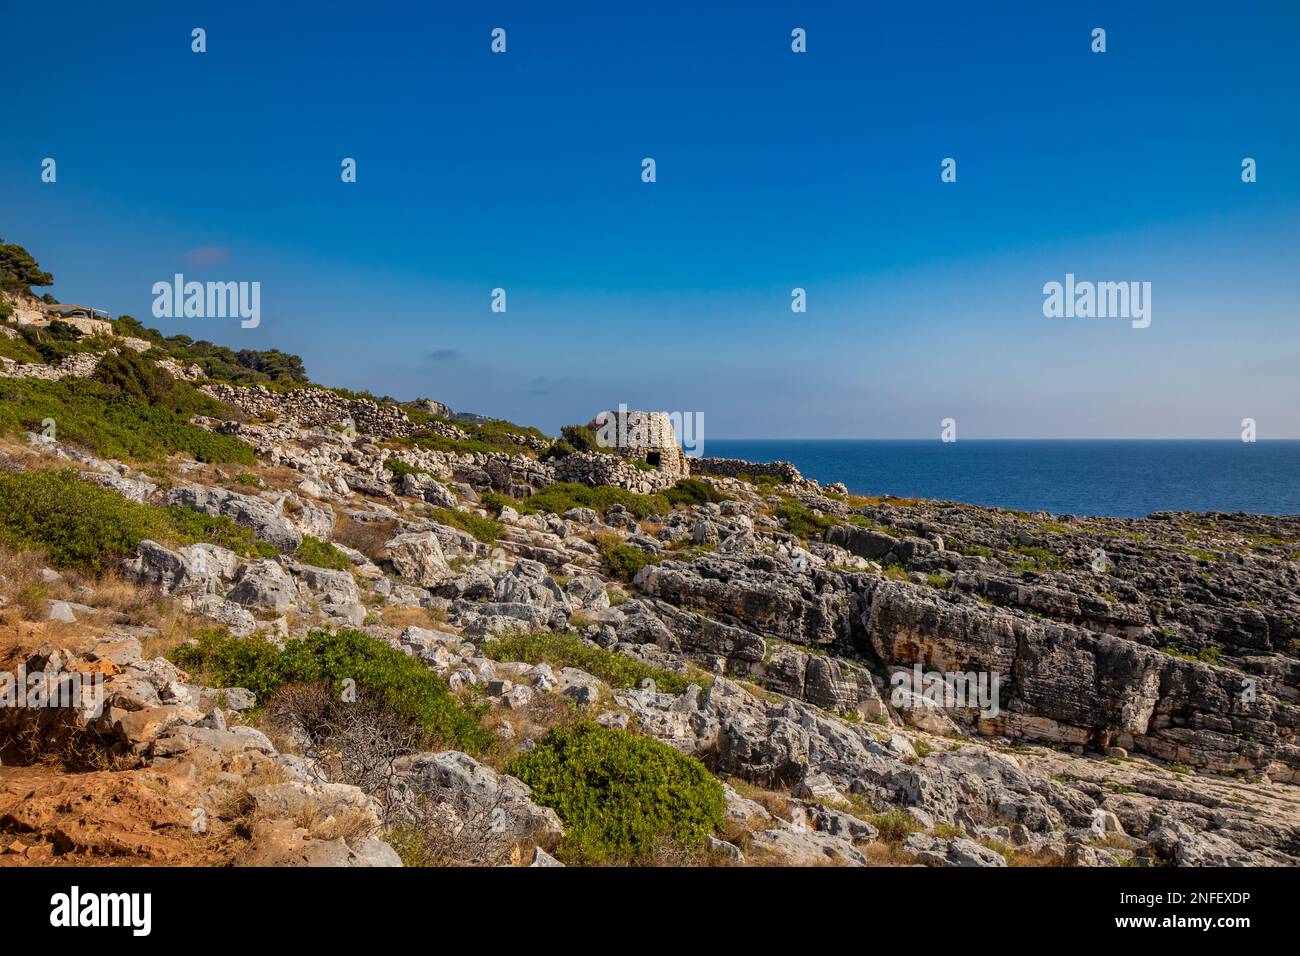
x=1116 y=478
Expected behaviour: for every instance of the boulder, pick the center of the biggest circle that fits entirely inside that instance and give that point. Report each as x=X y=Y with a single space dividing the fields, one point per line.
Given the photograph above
x=417 y=557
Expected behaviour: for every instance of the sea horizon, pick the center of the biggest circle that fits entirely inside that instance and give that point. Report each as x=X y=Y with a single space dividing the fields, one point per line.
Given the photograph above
x=1105 y=477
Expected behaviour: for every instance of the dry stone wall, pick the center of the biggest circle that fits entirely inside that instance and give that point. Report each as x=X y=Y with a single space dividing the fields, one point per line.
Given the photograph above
x=735 y=467
x=316 y=407
x=596 y=468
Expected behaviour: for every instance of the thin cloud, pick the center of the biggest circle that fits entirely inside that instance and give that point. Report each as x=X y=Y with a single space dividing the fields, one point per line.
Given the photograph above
x=206 y=257
x=444 y=355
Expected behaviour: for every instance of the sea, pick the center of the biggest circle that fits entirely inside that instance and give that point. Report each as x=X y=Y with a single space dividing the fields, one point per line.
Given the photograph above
x=1121 y=478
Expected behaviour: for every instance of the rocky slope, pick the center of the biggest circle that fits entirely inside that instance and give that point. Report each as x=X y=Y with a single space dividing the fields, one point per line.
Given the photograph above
x=1144 y=712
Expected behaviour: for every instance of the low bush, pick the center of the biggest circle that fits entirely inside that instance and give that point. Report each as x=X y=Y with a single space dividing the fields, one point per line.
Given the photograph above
x=399 y=683
x=570 y=650
x=487 y=437
x=494 y=501
x=483 y=529
x=622 y=560
x=1037 y=559
x=621 y=797
x=182 y=526
x=584 y=438
x=399 y=467
x=895 y=826
x=560 y=497
x=693 y=491
x=801 y=521
x=101 y=417
x=142 y=380
x=559 y=449
x=18 y=349
x=81 y=524
x=321 y=554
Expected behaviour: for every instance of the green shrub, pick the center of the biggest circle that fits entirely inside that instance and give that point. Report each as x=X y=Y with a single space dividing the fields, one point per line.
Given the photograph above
x=321 y=554
x=559 y=497
x=483 y=529
x=1206 y=655
x=142 y=380
x=19 y=269
x=622 y=560
x=863 y=521
x=78 y=523
x=18 y=349
x=399 y=467
x=432 y=441
x=620 y=796
x=761 y=482
x=895 y=826
x=58 y=340
x=496 y=435
x=183 y=526
x=111 y=424
x=570 y=650
x=1037 y=559
x=801 y=521
x=559 y=449
x=271 y=367
x=693 y=491
x=494 y=502
x=584 y=438
x=401 y=683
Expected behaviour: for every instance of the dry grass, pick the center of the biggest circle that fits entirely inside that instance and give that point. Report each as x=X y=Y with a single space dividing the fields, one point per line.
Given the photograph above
x=1018 y=857
x=883 y=853
x=368 y=537
x=116 y=594
x=60 y=748
x=543 y=712
x=773 y=801
x=412 y=615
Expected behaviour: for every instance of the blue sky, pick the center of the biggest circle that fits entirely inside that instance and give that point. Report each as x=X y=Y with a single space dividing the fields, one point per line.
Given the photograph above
x=775 y=170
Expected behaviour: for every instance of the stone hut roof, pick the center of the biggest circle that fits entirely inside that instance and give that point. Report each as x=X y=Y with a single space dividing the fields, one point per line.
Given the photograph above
x=636 y=429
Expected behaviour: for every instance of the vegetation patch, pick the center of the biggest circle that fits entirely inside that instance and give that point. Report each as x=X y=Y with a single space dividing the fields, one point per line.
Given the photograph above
x=483 y=529
x=563 y=495
x=762 y=482
x=621 y=560
x=399 y=467
x=321 y=554
x=113 y=423
x=801 y=521
x=400 y=683
x=488 y=437
x=271 y=367
x=1037 y=559
x=81 y=524
x=621 y=797
x=895 y=826
x=1206 y=655
x=693 y=491
x=570 y=650
x=863 y=521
